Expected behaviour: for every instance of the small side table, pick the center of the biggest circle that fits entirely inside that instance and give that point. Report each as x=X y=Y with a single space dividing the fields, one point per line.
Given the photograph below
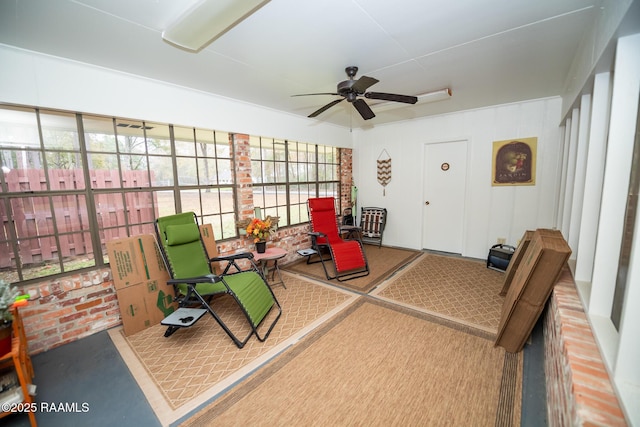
x=271 y=254
x=308 y=253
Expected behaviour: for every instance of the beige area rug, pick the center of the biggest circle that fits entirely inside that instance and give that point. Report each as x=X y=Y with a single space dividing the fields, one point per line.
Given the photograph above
x=192 y=366
x=459 y=289
x=379 y=364
x=383 y=262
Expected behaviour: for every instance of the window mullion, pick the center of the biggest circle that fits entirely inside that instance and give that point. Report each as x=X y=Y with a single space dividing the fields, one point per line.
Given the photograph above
x=89 y=195
x=287 y=185
x=174 y=164
x=47 y=180
x=119 y=163
x=154 y=208
x=316 y=178
x=13 y=237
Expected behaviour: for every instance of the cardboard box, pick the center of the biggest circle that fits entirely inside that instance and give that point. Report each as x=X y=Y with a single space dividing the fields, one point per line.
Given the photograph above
x=140 y=278
x=515 y=261
x=144 y=305
x=134 y=260
x=531 y=287
x=206 y=232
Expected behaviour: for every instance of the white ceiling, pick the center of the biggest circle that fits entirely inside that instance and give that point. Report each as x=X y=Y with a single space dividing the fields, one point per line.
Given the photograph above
x=488 y=52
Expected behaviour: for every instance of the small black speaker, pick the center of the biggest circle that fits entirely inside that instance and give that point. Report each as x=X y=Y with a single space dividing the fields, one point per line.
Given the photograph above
x=499 y=257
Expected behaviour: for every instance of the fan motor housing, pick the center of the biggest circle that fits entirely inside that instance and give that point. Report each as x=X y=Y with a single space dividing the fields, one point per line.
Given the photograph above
x=345 y=89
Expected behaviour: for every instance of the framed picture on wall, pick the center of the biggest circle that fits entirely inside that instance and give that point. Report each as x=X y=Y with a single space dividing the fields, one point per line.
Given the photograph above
x=514 y=162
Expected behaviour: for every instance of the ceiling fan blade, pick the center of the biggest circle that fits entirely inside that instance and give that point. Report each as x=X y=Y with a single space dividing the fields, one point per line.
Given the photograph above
x=363 y=84
x=325 y=108
x=363 y=109
x=392 y=97
x=322 y=93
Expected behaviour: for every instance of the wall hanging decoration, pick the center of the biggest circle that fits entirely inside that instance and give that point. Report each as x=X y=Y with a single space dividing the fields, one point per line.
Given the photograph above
x=384 y=170
x=514 y=162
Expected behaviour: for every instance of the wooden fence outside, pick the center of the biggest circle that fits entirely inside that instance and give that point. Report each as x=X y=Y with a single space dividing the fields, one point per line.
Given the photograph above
x=33 y=214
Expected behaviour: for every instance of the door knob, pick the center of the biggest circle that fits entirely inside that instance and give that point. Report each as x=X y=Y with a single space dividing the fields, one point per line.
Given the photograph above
x=426 y=203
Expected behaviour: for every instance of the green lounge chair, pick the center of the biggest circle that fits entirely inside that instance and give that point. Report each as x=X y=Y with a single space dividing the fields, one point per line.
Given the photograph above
x=195 y=285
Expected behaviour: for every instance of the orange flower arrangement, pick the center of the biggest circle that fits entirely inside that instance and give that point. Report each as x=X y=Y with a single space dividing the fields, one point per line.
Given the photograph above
x=259 y=229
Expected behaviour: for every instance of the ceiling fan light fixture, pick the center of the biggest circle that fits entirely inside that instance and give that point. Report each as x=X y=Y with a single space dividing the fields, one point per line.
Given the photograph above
x=207 y=20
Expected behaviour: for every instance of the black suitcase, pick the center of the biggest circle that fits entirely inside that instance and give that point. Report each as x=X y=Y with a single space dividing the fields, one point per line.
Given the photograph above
x=499 y=257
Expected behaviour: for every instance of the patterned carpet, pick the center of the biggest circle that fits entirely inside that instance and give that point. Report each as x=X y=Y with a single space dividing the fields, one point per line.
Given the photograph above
x=194 y=364
x=455 y=288
x=383 y=262
x=181 y=373
x=379 y=364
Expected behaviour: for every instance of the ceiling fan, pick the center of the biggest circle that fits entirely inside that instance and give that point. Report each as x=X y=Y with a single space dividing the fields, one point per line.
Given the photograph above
x=352 y=89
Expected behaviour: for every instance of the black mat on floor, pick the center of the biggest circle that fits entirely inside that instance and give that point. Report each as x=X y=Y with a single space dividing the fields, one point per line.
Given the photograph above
x=85 y=383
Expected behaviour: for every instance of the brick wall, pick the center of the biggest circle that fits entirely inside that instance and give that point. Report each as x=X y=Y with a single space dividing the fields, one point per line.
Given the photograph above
x=579 y=391
x=244 y=182
x=63 y=310
x=66 y=309
x=346 y=178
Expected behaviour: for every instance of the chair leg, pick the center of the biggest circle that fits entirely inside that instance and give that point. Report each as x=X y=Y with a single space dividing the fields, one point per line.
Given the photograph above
x=266 y=335
x=231 y=335
x=320 y=250
x=170 y=330
x=345 y=277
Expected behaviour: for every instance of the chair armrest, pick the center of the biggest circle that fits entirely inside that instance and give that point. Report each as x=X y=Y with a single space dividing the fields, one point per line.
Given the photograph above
x=230 y=261
x=209 y=278
x=316 y=234
x=353 y=232
x=232 y=257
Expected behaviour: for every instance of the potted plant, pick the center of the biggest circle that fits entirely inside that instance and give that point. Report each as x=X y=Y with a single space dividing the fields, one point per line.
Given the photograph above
x=259 y=231
x=7 y=298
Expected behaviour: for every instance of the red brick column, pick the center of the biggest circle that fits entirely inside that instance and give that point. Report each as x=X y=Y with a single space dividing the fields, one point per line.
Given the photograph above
x=244 y=184
x=346 y=177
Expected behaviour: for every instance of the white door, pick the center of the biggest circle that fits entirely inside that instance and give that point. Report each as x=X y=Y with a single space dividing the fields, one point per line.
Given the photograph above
x=445 y=170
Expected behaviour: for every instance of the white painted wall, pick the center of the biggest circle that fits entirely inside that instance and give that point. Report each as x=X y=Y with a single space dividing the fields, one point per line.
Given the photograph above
x=491 y=212
x=34 y=79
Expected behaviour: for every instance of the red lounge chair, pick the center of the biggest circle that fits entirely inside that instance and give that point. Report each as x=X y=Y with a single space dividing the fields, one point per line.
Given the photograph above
x=348 y=256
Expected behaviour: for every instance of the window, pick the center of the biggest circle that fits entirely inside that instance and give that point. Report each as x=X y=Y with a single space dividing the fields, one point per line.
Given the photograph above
x=286 y=173
x=42 y=199
x=205 y=176
x=70 y=182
